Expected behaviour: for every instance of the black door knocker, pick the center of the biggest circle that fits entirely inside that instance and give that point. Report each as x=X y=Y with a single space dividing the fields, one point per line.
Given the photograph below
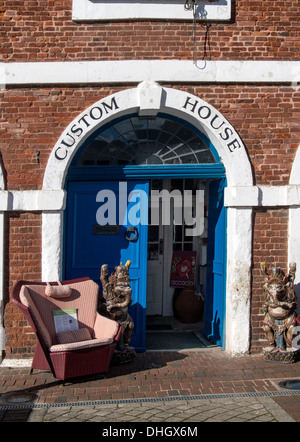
x=128 y=235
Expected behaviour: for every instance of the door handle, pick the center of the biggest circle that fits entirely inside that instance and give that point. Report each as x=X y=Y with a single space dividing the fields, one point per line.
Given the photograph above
x=161 y=246
x=131 y=230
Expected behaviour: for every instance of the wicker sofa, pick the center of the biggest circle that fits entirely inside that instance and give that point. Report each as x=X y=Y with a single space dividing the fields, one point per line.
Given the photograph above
x=73 y=338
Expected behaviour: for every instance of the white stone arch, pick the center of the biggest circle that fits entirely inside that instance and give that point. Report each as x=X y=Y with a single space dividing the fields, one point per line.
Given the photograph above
x=149 y=98
x=294 y=223
x=2 y=330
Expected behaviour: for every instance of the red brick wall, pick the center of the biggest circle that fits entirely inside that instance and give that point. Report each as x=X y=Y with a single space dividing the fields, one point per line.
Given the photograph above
x=44 y=31
x=34 y=119
x=270 y=232
x=266 y=118
x=23 y=261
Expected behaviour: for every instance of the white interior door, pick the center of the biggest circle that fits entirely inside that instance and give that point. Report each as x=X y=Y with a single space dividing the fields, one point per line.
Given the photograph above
x=159 y=292
x=154 y=272
x=155 y=265
x=160 y=248
x=162 y=241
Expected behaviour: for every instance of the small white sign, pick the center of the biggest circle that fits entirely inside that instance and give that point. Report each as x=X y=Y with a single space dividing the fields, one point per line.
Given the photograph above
x=65 y=320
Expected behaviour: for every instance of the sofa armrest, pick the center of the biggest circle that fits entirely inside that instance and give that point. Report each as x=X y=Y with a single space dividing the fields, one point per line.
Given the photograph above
x=73 y=346
x=105 y=327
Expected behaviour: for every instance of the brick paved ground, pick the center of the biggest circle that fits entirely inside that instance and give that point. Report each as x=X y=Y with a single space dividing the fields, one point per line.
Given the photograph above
x=226 y=409
x=162 y=375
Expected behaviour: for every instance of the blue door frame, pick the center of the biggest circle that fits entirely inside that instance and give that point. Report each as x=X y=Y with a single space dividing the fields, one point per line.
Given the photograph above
x=216 y=264
x=84 y=177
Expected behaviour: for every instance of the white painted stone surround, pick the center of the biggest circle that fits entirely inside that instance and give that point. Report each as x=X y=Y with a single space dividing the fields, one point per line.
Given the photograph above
x=87 y=10
x=2 y=330
x=136 y=71
x=240 y=195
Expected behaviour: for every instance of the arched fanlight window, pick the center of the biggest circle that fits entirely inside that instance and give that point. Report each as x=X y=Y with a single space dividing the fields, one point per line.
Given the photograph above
x=146 y=140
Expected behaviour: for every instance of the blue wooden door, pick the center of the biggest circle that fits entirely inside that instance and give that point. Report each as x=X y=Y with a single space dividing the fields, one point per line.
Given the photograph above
x=88 y=245
x=216 y=264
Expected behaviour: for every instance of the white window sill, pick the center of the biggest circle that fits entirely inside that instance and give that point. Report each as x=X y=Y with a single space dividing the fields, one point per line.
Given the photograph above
x=93 y=10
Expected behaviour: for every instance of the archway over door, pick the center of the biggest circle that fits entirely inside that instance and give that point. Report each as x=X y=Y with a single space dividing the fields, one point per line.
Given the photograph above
x=294 y=220
x=2 y=330
x=149 y=98
x=159 y=155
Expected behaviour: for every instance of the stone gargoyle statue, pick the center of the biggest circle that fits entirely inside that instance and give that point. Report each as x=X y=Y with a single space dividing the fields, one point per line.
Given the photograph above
x=117 y=296
x=280 y=316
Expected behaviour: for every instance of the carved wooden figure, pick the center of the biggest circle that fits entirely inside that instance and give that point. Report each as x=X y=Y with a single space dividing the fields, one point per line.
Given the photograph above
x=117 y=295
x=280 y=316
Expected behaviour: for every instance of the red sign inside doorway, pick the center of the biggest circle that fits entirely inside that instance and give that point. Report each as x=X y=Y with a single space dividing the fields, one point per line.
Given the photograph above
x=183 y=269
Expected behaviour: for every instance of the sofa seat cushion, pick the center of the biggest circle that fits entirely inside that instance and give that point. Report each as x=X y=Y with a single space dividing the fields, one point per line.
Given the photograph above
x=82 y=334
x=72 y=346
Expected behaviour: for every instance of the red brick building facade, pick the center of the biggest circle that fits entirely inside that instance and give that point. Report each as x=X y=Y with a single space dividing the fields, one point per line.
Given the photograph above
x=247 y=67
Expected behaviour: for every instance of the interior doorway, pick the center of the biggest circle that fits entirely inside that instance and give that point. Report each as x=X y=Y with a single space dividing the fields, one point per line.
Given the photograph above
x=209 y=246
x=166 y=238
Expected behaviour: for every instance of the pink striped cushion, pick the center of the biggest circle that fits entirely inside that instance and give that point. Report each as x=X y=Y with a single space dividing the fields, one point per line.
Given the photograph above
x=72 y=346
x=58 y=291
x=82 y=334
